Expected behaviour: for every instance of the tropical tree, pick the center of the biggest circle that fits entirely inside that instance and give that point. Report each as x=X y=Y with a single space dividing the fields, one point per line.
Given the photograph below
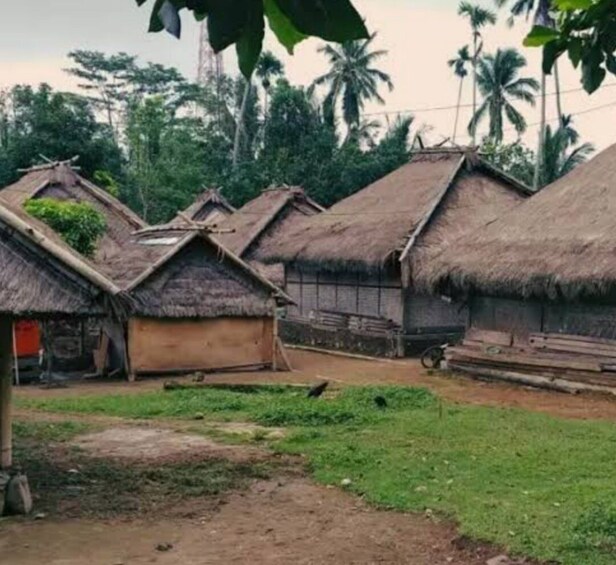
x=353 y=78
x=268 y=67
x=500 y=85
x=561 y=152
x=478 y=18
x=459 y=64
x=540 y=11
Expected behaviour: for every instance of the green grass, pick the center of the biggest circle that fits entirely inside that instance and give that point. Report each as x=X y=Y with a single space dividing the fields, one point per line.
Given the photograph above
x=540 y=486
x=104 y=488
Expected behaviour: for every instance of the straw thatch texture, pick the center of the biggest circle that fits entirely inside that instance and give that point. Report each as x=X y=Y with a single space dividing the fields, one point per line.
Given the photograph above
x=369 y=230
x=561 y=243
x=210 y=207
x=198 y=283
x=187 y=274
x=60 y=181
x=266 y=218
x=41 y=276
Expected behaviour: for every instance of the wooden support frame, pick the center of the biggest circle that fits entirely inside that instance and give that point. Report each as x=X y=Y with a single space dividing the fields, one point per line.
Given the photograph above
x=6 y=393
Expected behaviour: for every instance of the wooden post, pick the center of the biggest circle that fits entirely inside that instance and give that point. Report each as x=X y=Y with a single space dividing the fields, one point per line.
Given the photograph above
x=275 y=341
x=6 y=389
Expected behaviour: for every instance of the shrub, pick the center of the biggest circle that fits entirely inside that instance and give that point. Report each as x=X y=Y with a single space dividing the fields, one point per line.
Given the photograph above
x=77 y=223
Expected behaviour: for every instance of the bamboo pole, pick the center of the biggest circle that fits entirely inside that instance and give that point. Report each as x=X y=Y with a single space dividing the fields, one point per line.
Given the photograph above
x=15 y=356
x=6 y=389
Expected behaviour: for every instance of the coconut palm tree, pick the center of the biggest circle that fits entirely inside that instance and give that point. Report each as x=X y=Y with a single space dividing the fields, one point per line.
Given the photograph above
x=500 y=85
x=459 y=64
x=561 y=152
x=478 y=18
x=268 y=67
x=352 y=77
x=540 y=11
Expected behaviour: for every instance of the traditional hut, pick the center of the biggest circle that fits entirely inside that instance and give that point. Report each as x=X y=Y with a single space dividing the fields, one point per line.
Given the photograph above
x=196 y=306
x=351 y=269
x=540 y=281
x=210 y=208
x=40 y=278
x=61 y=181
x=72 y=341
x=264 y=220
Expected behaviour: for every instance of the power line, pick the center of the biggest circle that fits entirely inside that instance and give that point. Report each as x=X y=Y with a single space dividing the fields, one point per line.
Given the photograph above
x=444 y=108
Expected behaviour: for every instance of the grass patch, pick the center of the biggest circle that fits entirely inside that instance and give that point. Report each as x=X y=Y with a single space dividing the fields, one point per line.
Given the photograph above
x=540 y=486
x=69 y=483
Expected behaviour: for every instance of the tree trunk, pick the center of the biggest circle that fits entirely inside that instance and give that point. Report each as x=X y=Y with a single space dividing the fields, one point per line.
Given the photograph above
x=240 y=125
x=474 y=86
x=541 y=144
x=455 y=123
x=559 y=107
x=6 y=390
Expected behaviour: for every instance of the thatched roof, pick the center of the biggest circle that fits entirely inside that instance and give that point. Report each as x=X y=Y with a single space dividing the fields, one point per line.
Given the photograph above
x=210 y=207
x=41 y=276
x=187 y=274
x=561 y=243
x=266 y=218
x=62 y=182
x=410 y=214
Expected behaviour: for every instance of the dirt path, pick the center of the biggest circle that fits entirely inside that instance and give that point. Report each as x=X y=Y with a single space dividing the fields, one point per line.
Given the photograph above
x=312 y=367
x=275 y=522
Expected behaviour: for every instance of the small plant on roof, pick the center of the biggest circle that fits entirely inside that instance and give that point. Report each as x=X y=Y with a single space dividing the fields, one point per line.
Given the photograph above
x=77 y=223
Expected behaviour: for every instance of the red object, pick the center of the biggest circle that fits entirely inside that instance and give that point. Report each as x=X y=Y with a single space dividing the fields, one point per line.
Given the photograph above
x=28 y=338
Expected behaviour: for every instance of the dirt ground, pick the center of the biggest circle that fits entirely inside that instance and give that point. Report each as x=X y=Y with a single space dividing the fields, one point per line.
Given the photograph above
x=310 y=367
x=275 y=522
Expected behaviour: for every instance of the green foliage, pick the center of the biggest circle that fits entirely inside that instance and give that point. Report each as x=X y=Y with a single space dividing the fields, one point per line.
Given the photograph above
x=500 y=85
x=515 y=159
x=105 y=180
x=55 y=124
x=586 y=31
x=352 y=78
x=77 y=223
x=242 y=22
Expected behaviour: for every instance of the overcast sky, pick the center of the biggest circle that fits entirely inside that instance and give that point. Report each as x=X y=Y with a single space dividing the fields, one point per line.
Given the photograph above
x=421 y=35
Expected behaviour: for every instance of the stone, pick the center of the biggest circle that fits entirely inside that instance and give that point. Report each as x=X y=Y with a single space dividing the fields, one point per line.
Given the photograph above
x=164 y=547
x=346 y=482
x=18 y=500
x=499 y=560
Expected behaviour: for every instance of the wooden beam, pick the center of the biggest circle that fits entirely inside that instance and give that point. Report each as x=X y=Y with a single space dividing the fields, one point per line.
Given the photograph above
x=6 y=390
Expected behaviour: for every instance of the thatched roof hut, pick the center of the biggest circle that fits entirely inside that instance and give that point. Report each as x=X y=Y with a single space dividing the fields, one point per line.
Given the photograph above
x=210 y=207
x=263 y=221
x=413 y=213
x=195 y=305
x=188 y=274
x=61 y=181
x=559 y=244
x=41 y=276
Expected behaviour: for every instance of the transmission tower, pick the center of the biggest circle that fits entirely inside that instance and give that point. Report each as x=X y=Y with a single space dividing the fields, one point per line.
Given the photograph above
x=211 y=64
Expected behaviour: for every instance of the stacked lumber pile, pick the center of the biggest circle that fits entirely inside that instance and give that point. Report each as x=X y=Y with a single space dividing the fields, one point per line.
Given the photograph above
x=360 y=324
x=569 y=363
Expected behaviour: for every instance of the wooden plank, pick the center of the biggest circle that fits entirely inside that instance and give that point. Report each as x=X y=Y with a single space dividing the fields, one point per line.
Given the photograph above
x=532 y=380
x=100 y=354
x=490 y=337
x=572 y=337
x=557 y=362
x=6 y=392
x=186 y=345
x=569 y=348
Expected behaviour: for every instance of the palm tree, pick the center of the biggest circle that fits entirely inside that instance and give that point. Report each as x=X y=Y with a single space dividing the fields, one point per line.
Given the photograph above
x=268 y=67
x=478 y=17
x=499 y=82
x=540 y=9
x=458 y=64
x=352 y=77
x=562 y=152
